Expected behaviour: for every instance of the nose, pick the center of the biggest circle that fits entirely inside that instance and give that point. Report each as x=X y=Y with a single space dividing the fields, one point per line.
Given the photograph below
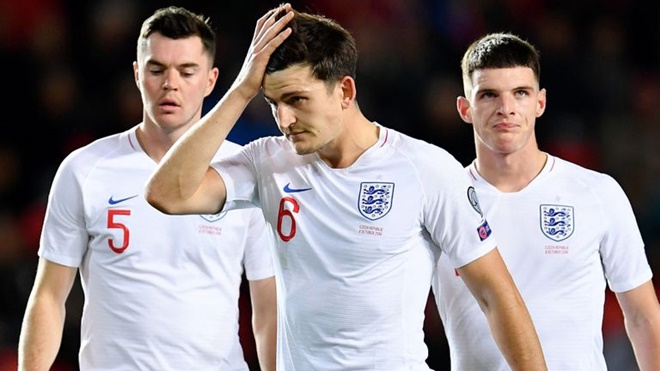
x=284 y=116
x=170 y=82
x=507 y=104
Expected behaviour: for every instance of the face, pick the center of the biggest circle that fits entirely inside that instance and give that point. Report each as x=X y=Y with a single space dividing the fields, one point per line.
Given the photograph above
x=173 y=76
x=307 y=112
x=502 y=107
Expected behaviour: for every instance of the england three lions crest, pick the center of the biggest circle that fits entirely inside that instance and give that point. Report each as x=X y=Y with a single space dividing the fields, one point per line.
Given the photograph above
x=375 y=199
x=214 y=217
x=557 y=221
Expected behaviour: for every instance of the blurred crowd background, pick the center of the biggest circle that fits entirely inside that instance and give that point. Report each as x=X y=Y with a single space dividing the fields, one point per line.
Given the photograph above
x=68 y=77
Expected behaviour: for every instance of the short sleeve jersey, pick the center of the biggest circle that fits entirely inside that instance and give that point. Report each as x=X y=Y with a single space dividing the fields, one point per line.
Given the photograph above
x=563 y=237
x=161 y=292
x=356 y=246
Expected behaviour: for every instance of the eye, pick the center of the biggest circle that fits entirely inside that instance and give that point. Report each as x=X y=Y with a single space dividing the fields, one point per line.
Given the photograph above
x=296 y=100
x=155 y=71
x=522 y=93
x=187 y=73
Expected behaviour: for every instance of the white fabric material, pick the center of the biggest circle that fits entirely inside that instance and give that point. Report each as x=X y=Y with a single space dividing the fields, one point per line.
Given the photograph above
x=356 y=246
x=169 y=300
x=561 y=276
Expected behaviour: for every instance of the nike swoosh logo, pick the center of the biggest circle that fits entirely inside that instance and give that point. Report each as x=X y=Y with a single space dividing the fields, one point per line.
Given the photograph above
x=288 y=189
x=112 y=201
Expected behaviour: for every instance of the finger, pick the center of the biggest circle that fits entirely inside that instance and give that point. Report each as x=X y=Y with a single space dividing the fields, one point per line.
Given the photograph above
x=260 y=23
x=272 y=31
x=271 y=45
x=273 y=24
x=272 y=14
x=270 y=17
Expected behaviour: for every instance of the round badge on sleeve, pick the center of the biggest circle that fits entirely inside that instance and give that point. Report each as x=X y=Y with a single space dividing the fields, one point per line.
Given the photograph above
x=472 y=197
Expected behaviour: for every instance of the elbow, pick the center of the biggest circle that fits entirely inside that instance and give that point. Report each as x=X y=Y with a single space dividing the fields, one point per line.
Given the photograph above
x=159 y=201
x=155 y=202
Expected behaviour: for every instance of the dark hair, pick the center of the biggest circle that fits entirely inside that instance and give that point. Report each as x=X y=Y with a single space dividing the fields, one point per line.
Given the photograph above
x=499 y=50
x=178 y=23
x=319 y=42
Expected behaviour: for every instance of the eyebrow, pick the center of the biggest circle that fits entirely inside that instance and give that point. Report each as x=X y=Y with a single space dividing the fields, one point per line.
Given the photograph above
x=152 y=62
x=490 y=90
x=284 y=96
x=524 y=87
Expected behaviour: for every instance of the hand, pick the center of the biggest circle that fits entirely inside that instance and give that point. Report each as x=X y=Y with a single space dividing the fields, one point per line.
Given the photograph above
x=268 y=35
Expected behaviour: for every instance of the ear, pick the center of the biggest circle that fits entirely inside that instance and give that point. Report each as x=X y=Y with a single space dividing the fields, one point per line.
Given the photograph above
x=136 y=74
x=540 y=104
x=463 y=107
x=213 y=77
x=348 y=91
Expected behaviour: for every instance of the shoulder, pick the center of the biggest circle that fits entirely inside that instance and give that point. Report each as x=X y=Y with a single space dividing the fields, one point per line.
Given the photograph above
x=269 y=145
x=92 y=152
x=77 y=165
x=269 y=141
x=423 y=155
x=257 y=151
x=598 y=183
x=228 y=148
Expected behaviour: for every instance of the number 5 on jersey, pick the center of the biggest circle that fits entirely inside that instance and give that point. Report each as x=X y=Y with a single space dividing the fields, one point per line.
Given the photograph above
x=113 y=223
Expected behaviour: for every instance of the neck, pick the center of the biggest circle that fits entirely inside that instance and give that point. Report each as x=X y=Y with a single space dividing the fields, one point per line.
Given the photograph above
x=155 y=140
x=510 y=172
x=356 y=138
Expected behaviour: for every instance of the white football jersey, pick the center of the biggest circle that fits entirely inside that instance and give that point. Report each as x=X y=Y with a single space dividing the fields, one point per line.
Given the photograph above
x=563 y=237
x=161 y=292
x=357 y=246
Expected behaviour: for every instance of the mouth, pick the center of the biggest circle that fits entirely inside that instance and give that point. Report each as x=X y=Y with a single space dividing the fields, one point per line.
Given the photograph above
x=293 y=136
x=504 y=126
x=168 y=106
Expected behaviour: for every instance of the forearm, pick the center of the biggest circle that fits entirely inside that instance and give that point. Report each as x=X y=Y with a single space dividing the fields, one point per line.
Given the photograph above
x=265 y=335
x=181 y=173
x=264 y=320
x=510 y=322
x=641 y=314
x=515 y=335
x=41 y=335
x=645 y=339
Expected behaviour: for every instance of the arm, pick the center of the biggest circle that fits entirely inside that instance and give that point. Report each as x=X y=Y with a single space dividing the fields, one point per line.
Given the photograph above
x=184 y=183
x=511 y=325
x=264 y=321
x=641 y=312
x=43 y=323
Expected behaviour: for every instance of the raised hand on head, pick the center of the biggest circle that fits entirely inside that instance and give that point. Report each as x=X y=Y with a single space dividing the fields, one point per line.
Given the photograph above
x=269 y=33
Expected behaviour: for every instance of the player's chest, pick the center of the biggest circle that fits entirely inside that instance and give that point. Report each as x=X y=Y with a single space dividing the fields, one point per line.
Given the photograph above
x=122 y=223
x=547 y=227
x=356 y=204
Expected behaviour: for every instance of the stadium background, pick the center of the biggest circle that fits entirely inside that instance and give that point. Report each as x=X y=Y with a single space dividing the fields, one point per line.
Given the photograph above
x=67 y=77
